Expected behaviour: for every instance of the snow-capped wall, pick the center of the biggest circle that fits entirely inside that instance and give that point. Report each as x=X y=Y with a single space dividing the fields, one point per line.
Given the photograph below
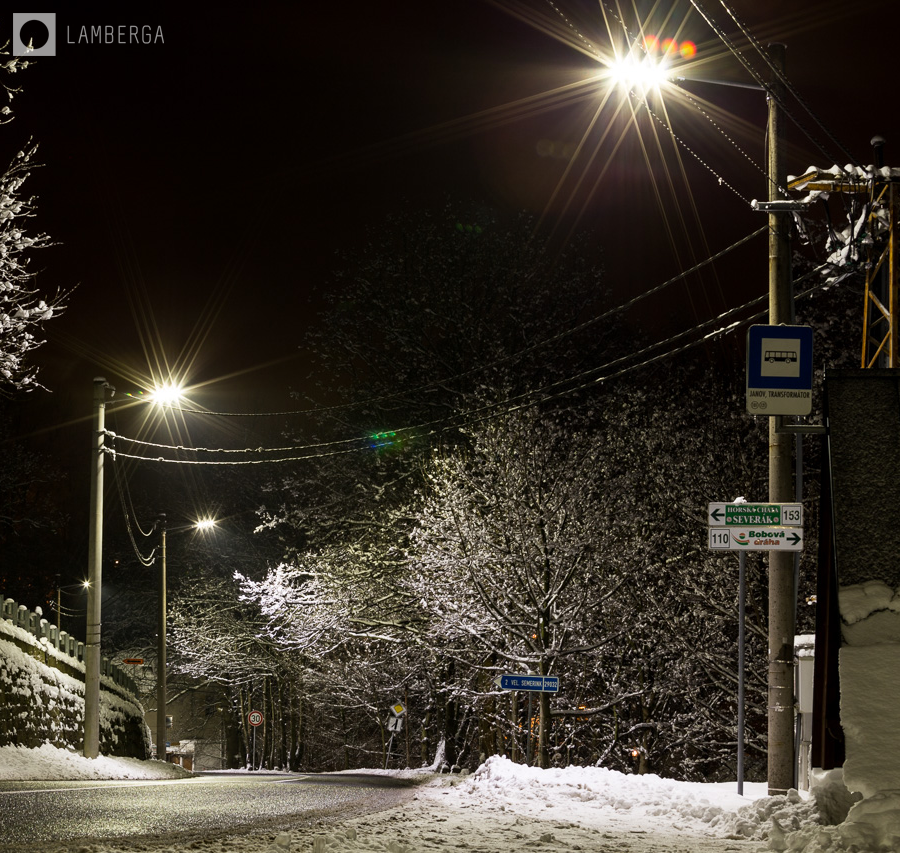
x=41 y=703
x=870 y=687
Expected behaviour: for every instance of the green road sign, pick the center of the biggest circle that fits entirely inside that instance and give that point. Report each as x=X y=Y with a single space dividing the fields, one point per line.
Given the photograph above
x=750 y=514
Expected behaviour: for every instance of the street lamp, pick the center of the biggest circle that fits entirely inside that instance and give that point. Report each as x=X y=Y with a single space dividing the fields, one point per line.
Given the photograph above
x=161 y=688
x=166 y=395
x=781 y=602
x=83 y=586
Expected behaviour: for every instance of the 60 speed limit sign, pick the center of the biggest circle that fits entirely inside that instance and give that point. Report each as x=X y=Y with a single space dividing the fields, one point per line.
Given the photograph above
x=255 y=718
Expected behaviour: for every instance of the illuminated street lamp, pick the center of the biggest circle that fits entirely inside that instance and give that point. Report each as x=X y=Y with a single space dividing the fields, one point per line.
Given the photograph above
x=83 y=586
x=161 y=688
x=781 y=617
x=165 y=395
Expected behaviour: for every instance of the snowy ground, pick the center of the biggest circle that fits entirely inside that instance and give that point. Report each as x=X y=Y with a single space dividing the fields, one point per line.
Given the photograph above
x=502 y=807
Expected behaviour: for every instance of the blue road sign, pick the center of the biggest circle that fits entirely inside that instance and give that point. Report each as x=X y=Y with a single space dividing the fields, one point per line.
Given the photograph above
x=779 y=370
x=535 y=683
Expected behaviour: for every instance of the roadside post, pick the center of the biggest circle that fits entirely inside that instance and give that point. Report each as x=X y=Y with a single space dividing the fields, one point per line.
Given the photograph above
x=255 y=718
x=742 y=527
x=394 y=725
x=533 y=684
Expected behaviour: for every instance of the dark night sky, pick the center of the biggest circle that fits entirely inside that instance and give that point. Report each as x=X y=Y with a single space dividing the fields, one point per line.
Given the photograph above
x=199 y=189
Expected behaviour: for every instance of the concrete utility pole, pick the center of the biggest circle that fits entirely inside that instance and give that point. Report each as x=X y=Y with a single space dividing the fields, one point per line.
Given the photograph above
x=781 y=564
x=161 y=649
x=91 y=747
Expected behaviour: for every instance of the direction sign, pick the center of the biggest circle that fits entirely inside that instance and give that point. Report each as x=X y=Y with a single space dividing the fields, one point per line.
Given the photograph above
x=534 y=683
x=761 y=538
x=136 y=661
x=779 y=370
x=255 y=718
x=748 y=514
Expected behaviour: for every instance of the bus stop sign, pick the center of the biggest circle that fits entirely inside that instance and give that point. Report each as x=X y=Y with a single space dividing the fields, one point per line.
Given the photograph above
x=779 y=370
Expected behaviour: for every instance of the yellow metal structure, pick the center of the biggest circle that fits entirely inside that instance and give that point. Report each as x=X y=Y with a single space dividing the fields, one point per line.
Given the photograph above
x=880 y=323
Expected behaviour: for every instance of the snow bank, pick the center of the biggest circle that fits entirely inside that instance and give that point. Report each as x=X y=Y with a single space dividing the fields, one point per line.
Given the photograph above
x=701 y=807
x=50 y=763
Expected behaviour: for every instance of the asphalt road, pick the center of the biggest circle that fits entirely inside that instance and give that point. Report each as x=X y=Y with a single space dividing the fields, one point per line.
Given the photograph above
x=32 y=813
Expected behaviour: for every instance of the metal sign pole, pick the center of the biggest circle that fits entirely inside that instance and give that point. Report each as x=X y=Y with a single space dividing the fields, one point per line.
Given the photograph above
x=530 y=734
x=742 y=596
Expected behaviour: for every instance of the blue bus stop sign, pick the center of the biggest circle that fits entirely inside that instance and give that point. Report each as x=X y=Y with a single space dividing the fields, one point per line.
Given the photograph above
x=779 y=370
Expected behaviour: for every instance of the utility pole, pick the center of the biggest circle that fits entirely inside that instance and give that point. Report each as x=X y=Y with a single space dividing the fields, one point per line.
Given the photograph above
x=91 y=740
x=781 y=564
x=161 y=649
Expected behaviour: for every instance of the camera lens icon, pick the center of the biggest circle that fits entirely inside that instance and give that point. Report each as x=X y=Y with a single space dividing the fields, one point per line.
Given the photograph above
x=34 y=34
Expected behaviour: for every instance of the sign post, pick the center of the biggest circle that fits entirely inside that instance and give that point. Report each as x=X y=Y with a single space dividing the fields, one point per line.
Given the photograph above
x=533 y=684
x=742 y=600
x=747 y=527
x=255 y=718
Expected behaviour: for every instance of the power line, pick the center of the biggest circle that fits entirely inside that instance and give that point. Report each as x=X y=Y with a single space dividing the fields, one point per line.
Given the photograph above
x=145 y=561
x=779 y=72
x=759 y=79
x=508 y=405
x=625 y=306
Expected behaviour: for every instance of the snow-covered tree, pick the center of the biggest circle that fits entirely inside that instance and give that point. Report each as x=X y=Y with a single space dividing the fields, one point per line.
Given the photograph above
x=512 y=556
x=22 y=308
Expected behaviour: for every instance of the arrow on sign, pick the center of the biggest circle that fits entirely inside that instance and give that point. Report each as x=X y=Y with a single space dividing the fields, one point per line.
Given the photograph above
x=793 y=538
x=716 y=514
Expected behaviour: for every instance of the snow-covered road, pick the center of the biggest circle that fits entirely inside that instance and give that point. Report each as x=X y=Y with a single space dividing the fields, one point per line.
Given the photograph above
x=500 y=808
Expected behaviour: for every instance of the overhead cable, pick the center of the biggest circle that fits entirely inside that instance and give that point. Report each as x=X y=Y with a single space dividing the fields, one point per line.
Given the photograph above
x=526 y=399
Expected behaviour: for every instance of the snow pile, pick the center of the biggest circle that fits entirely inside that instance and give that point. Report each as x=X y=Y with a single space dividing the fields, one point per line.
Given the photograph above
x=873 y=826
x=698 y=806
x=49 y=763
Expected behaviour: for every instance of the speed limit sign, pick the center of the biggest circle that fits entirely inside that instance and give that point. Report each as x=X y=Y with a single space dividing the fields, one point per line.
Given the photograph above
x=255 y=718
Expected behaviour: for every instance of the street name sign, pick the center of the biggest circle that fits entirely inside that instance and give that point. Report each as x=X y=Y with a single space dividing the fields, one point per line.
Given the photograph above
x=779 y=370
x=535 y=683
x=750 y=514
x=759 y=538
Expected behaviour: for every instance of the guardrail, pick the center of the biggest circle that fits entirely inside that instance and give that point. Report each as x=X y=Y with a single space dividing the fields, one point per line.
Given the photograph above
x=63 y=642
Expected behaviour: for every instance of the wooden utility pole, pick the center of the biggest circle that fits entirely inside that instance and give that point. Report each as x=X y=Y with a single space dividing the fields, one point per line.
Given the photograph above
x=161 y=687
x=781 y=563
x=91 y=742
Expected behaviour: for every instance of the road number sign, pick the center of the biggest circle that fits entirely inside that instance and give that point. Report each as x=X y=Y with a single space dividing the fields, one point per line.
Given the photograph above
x=753 y=514
x=760 y=538
x=255 y=718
